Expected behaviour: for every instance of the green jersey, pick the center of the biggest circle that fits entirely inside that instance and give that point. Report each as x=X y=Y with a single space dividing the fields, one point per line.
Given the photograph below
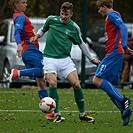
x=60 y=37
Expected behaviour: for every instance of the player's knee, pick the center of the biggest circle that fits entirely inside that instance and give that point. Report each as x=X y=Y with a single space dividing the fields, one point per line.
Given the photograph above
x=76 y=86
x=94 y=81
x=52 y=83
x=97 y=81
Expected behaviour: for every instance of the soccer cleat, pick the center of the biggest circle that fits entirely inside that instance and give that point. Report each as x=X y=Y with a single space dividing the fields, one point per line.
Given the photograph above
x=50 y=116
x=127 y=112
x=87 y=118
x=125 y=103
x=14 y=75
x=126 y=116
x=58 y=118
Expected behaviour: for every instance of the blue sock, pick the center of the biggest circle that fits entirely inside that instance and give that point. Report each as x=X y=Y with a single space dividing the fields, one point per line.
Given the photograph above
x=32 y=72
x=111 y=90
x=117 y=103
x=42 y=94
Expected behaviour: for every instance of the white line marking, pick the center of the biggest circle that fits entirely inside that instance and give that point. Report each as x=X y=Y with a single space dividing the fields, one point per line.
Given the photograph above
x=66 y=111
x=91 y=92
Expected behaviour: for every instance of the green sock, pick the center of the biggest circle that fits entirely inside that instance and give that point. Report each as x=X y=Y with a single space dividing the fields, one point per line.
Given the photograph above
x=79 y=98
x=53 y=93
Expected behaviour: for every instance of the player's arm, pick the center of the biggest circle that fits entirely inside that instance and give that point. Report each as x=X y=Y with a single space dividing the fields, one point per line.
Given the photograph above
x=18 y=41
x=39 y=34
x=87 y=53
x=77 y=39
x=124 y=35
x=41 y=31
x=19 y=24
x=17 y=36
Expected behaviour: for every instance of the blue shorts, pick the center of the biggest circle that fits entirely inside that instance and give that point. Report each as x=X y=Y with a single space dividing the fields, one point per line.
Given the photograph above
x=110 y=67
x=32 y=58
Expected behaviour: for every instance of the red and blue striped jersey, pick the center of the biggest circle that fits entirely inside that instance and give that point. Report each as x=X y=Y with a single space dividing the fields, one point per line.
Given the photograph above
x=24 y=30
x=116 y=32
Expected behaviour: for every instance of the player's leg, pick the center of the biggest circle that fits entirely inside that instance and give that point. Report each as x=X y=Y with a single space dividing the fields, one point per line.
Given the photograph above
x=51 y=76
x=33 y=63
x=78 y=93
x=42 y=90
x=108 y=72
x=42 y=93
x=119 y=100
x=52 y=80
x=32 y=72
x=79 y=96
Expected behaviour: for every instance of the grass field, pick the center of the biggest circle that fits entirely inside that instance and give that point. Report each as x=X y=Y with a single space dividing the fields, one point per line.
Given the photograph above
x=19 y=113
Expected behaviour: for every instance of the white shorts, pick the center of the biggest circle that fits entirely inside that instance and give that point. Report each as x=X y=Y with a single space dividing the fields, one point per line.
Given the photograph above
x=61 y=67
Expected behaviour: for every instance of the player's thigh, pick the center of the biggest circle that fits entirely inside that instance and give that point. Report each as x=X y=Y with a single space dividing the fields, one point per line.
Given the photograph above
x=32 y=59
x=110 y=68
x=73 y=79
x=52 y=79
x=49 y=66
x=65 y=67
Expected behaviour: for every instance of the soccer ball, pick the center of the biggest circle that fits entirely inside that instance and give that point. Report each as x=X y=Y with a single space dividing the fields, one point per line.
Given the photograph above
x=47 y=105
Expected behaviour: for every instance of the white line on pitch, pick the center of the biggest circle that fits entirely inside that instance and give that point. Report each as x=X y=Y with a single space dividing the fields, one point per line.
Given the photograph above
x=67 y=111
x=14 y=92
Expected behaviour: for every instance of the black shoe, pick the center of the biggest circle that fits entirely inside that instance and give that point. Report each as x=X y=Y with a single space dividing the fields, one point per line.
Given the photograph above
x=87 y=118
x=125 y=103
x=58 y=118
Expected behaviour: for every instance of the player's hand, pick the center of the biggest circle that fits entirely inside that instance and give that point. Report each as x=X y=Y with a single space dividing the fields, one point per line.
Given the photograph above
x=19 y=50
x=96 y=62
x=128 y=51
x=33 y=39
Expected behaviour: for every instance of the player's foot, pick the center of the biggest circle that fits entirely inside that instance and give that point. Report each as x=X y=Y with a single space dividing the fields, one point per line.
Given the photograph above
x=50 y=116
x=58 y=118
x=14 y=74
x=125 y=103
x=87 y=118
x=126 y=113
x=126 y=116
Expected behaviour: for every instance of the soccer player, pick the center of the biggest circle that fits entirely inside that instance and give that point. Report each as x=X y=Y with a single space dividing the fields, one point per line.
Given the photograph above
x=109 y=69
x=62 y=33
x=30 y=53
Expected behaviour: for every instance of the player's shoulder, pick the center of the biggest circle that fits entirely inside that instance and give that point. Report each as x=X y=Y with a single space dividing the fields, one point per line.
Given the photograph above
x=115 y=17
x=52 y=17
x=74 y=24
x=17 y=16
x=114 y=14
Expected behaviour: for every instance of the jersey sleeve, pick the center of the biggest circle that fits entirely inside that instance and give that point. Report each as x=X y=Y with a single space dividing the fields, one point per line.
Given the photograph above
x=77 y=38
x=19 y=25
x=116 y=19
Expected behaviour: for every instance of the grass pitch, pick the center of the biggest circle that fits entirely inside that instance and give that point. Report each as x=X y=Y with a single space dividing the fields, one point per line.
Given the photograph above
x=19 y=113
